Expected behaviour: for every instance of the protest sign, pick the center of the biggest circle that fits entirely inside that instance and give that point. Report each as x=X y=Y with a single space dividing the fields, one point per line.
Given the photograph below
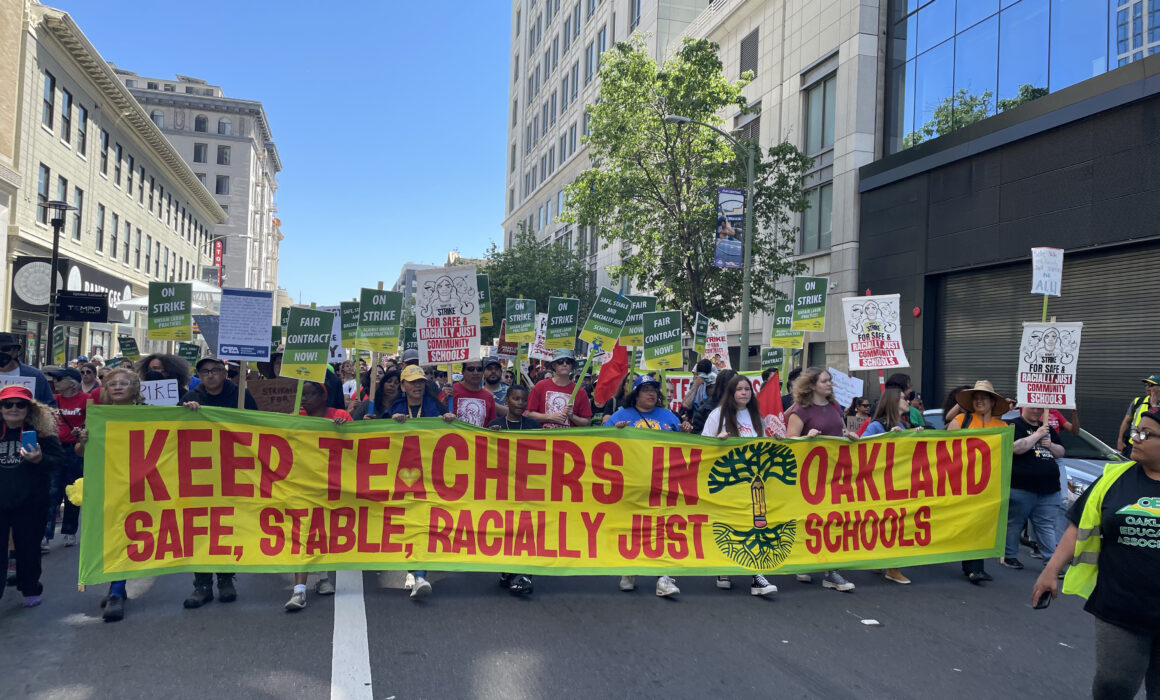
x=308 y=334
x=783 y=335
x=284 y=315
x=242 y=325
x=506 y=349
x=335 y=350
x=717 y=349
x=128 y=346
x=772 y=358
x=809 y=303
x=728 y=251
x=378 y=320
x=16 y=380
x=873 y=334
x=58 y=346
x=1048 y=355
x=274 y=395
x=408 y=340
x=606 y=318
x=170 y=311
x=275 y=337
x=168 y=490
x=447 y=314
x=679 y=383
x=662 y=339
x=521 y=320
x=160 y=392
x=563 y=318
x=538 y=350
x=207 y=326
x=349 y=315
x=700 y=331
x=1046 y=271
x=632 y=334
x=846 y=388
x=484 y=284
x=190 y=352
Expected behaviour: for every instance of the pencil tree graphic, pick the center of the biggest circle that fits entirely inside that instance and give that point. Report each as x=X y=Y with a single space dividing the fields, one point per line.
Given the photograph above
x=762 y=546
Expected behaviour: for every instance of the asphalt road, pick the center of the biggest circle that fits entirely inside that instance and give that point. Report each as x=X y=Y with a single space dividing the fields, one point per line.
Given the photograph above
x=940 y=637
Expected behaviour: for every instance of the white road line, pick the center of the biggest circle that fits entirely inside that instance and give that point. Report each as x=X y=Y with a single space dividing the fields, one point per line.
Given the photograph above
x=350 y=663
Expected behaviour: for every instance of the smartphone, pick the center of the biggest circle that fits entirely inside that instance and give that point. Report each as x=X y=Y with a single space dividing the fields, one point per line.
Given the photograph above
x=28 y=440
x=1044 y=600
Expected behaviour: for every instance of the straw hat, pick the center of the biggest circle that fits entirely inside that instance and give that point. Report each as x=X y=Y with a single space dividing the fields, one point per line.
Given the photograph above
x=965 y=397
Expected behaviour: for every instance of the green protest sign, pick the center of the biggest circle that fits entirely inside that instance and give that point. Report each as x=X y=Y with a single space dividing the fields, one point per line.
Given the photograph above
x=809 y=303
x=772 y=358
x=190 y=352
x=128 y=345
x=633 y=331
x=275 y=337
x=562 y=321
x=380 y=314
x=58 y=348
x=307 y=344
x=483 y=284
x=408 y=340
x=783 y=335
x=349 y=320
x=284 y=313
x=606 y=319
x=170 y=311
x=521 y=320
x=662 y=339
x=700 y=333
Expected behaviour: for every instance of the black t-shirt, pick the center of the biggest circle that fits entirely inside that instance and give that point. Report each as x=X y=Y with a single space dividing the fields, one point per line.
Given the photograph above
x=525 y=424
x=1035 y=470
x=1127 y=591
x=226 y=398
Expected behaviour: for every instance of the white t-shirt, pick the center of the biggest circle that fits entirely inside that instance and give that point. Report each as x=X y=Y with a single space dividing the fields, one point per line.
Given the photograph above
x=744 y=424
x=348 y=388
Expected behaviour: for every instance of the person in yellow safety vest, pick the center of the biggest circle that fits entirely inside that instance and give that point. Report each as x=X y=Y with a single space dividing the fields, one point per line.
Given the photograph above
x=1148 y=402
x=1113 y=545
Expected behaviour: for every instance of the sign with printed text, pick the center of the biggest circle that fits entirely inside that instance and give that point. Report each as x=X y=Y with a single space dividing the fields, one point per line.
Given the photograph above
x=284 y=316
x=1046 y=271
x=335 y=350
x=520 y=315
x=447 y=314
x=1048 y=356
x=242 y=324
x=378 y=320
x=809 y=303
x=16 y=380
x=632 y=334
x=679 y=384
x=506 y=349
x=274 y=395
x=728 y=242
x=563 y=320
x=539 y=350
x=308 y=333
x=170 y=490
x=873 y=333
x=128 y=346
x=484 y=284
x=275 y=337
x=160 y=392
x=606 y=319
x=846 y=388
x=408 y=339
x=772 y=358
x=783 y=335
x=58 y=346
x=190 y=352
x=170 y=311
x=662 y=339
x=700 y=332
x=349 y=314
x=717 y=349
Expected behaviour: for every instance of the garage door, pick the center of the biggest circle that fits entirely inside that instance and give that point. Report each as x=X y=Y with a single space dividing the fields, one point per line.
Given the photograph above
x=980 y=324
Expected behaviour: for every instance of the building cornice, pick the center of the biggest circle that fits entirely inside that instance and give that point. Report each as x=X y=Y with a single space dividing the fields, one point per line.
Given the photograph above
x=62 y=28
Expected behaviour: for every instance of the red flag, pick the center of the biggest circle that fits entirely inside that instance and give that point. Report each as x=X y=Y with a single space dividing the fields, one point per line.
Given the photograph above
x=612 y=373
x=769 y=403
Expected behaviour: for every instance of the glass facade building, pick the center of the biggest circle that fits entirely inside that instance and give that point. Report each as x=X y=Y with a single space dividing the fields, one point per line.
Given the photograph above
x=954 y=62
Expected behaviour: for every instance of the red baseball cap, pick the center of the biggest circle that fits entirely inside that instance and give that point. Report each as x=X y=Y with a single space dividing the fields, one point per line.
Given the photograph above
x=15 y=391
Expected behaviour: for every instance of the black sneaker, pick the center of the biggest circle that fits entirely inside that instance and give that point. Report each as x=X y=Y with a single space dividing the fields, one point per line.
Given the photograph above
x=1035 y=553
x=1011 y=563
x=114 y=609
x=520 y=585
x=505 y=580
x=198 y=598
x=226 y=591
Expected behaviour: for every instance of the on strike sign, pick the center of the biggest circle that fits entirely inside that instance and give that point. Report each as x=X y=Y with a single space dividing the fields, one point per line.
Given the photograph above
x=873 y=337
x=1047 y=360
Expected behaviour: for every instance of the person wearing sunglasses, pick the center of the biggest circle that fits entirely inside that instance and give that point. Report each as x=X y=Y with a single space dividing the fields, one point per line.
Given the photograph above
x=473 y=403
x=550 y=403
x=90 y=382
x=71 y=407
x=24 y=475
x=11 y=350
x=857 y=413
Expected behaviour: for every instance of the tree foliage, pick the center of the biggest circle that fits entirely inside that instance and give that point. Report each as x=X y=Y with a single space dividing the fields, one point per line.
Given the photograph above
x=529 y=269
x=653 y=184
x=964 y=108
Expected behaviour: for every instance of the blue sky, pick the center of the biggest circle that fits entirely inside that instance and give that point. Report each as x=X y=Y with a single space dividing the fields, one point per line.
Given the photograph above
x=390 y=118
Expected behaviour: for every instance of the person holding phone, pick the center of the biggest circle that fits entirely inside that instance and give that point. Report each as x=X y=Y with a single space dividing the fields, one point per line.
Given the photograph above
x=29 y=452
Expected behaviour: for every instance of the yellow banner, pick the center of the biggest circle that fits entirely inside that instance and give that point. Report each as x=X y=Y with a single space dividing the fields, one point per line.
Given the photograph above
x=168 y=489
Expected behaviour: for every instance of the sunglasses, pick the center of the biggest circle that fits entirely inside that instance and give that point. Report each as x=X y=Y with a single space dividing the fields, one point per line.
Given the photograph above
x=472 y=369
x=566 y=362
x=13 y=404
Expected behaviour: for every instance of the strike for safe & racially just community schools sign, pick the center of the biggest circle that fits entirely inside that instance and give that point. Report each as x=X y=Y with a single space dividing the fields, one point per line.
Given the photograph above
x=227 y=490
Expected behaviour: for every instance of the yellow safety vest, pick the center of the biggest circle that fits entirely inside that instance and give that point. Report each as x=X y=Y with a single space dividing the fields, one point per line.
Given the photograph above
x=1081 y=577
x=1143 y=406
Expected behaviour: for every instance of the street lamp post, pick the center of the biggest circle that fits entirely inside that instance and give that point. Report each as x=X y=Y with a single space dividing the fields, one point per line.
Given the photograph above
x=57 y=210
x=747 y=243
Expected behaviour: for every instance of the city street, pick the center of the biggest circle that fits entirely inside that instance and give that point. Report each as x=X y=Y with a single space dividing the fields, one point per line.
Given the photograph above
x=575 y=637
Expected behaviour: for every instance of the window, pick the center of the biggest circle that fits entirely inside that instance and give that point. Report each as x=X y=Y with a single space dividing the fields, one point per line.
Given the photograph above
x=572 y=140
x=61 y=188
x=563 y=148
x=66 y=102
x=820 y=101
x=633 y=14
x=601 y=43
x=104 y=152
x=113 y=230
x=141 y=189
x=200 y=177
x=528 y=140
x=544 y=118
x=157 y=259
x=165 y=265
x=117 y=165
x=100 y=228
x=586 y=118
x=158 y=118
x=49 y=107
x=125 y=243
x=225 y=128
x=200 y=153
x=201 y=123
x=515 y=111
x=129 y=180
x=223 y=155
x=131 y=83
x=591 y=7
x=750 y=130
x=518 y=15
x=511 y=200
x=137 y=250
x=749 y=53
x=575 y=80
x=567 y=34
x=169 y=207
x=816 y=219
x=148 y=251
x=223 y=184
x=564 y=93
x=152 y=189
x=553 y=107
x=82 y=129
x=42 y=185
x=589 y=62
x=170 y=88
x=555 y=52
x=513 y=159
x=535 y=129
x=151 y=86
x=79 y=203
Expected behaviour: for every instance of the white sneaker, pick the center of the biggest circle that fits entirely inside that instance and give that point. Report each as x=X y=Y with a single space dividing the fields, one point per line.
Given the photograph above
x=761 y=586
x=297 y=601
x=324 y=587
x=724 y=583
x=834 y=580
x=44 y=546
x=422 y=588
x=628 y=583
x=409 y=582
x=70 y=540
x=666 y=586
x=804 y=578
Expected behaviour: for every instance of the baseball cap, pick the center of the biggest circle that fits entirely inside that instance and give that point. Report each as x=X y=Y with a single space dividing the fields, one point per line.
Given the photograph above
x=410 y=356
x=645 y=380
x=202 y=361
x=492 y=361
x=65 y=373
x=412 y=373
x=1153 y=414
x=15 y=391
x=1154 y=379
x=7 y=339
x=82 y=358
x=563 y=354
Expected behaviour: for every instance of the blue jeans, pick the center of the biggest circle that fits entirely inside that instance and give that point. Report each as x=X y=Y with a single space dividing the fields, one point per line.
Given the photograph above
x=71 y=470
x=1042 y=509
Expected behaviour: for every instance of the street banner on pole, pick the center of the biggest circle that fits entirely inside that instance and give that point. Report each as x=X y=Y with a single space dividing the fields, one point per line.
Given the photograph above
x=873 y=335
x=606 y=319
x=378 y=320
x=242 y=323
x=717 y=349
x=539 y=350
x=783 y=335
x=1046 y=271
x=772 y=358
x=632 y=334
x=1048 y=355
x=562 y=322
x=128 y=345
x=307 y=344
x=170 y=311
x=447 y=314
x=809 y=303
x=484 y=284
x=662 y=339
x=700 y=331
x=727 y=246
x=521 y=320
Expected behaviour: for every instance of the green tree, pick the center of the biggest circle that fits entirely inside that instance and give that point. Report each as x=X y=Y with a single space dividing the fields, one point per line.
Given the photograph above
x=964 y=108
x=653 y=184
x=529 y=269
x=1027 y=93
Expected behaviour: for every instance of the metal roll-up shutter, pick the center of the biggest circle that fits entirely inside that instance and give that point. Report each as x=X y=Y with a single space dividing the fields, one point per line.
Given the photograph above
x=981 y=315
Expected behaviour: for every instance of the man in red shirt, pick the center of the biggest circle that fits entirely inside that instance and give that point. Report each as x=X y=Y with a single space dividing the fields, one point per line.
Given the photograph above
x=473 y=403
x=550 y=404
x=71 y=403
